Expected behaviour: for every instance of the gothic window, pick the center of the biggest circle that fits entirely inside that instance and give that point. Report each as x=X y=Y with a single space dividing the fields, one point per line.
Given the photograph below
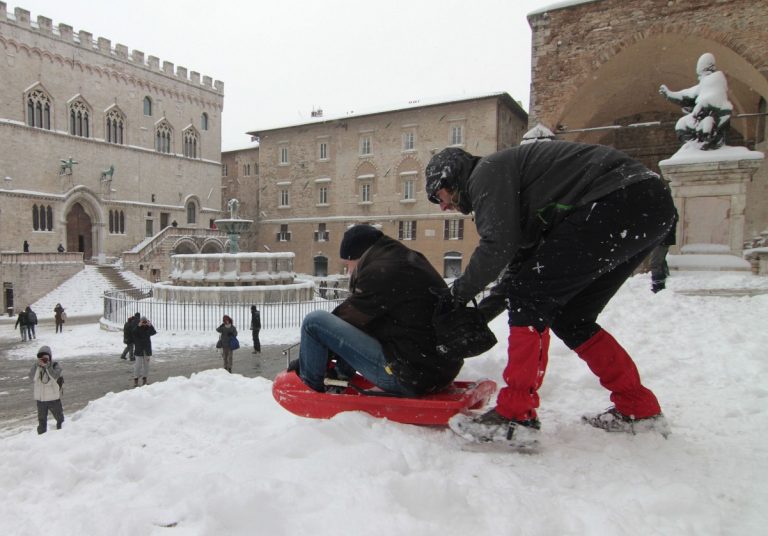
x=115 y=126
x=79 y=119
x=204 y=121
x=191 y=141
x=191 y=212
x=163 y=138
x=147 y=106
x=116 y=222
x=39 y=109
x=42 y=218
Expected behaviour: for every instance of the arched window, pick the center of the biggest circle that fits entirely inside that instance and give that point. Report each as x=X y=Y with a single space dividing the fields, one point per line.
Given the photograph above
x=204 y=121
x=116 y=222
x=321 y=266
x=122 y=222
x=42 y=218
x=115 y=126
x=191 y=212
x=147 y=106
x=190 y=142
x=163 y=138
x=111 y=222
x=39 y=109
x=79 y=119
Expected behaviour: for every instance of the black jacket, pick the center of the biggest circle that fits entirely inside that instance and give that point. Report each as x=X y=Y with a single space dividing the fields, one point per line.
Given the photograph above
x=391 y=301
x=128 y=328
x=142 y=344
x=519 y=194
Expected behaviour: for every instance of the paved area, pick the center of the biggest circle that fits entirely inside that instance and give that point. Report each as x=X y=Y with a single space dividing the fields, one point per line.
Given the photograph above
x=90 y=377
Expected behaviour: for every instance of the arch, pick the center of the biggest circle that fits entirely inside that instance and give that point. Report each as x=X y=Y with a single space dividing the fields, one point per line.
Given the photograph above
x=183 y=246
x=212 y=245
x=615 y=95
x=192 y=207
x=91 y=207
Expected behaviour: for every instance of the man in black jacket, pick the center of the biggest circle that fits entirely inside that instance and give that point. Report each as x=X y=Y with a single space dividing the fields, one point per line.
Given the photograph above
x=128 y=328
x=565 y=224
x=384 y=329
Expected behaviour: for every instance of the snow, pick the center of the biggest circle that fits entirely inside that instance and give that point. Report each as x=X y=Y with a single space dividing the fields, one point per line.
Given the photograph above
x=690 y=153
x=214 y=454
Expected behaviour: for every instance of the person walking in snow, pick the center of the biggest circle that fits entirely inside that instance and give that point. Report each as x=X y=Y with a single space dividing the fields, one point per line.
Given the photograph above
x=142 y=349
x=227 y=330
x=45 y=374
x=128 y=328
x=58 y=317
x=21 y=324
x=255 y=328
x=31 y=323
x=564 y=224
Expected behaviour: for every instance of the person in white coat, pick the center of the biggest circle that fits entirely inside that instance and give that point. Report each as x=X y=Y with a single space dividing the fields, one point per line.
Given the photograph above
x=45 y=375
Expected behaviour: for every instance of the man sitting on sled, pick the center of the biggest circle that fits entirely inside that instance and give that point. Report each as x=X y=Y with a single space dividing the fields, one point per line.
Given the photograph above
x=384 y=329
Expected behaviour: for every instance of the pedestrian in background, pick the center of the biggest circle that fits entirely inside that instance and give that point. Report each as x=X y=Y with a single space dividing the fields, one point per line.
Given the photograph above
x=26 y=247
x=228 y=331
x=58 y=317
x=142 y=350
x=31 y=323
x=128 y=328
x=21 y=323
x=46 y=374
x=255 y=328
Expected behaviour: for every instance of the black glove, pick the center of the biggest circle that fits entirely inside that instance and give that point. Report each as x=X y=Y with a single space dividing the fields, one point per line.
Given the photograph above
x=446 y=302
x=492 y=306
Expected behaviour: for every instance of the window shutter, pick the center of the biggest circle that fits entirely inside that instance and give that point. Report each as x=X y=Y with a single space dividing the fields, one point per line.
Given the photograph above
x=461 y=229
x=414 y=234
x=400 y=230
x=446 y=229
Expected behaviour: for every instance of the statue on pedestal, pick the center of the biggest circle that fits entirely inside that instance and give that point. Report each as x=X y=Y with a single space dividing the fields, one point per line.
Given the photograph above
x=706 y=105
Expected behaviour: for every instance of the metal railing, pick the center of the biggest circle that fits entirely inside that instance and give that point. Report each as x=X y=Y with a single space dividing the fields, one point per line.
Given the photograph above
x=119 y=305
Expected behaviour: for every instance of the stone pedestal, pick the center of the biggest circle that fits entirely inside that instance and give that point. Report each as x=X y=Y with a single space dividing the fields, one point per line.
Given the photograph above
x=710 y=197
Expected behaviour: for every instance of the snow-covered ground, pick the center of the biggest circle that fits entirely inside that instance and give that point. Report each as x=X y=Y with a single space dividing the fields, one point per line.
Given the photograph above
x=214 y=454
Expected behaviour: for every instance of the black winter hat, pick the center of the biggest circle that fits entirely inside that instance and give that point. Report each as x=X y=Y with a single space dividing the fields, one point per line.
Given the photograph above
x=446 y=168
x=356 y=240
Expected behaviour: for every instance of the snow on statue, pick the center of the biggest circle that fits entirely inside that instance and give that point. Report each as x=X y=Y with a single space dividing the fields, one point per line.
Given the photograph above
x=706 y=105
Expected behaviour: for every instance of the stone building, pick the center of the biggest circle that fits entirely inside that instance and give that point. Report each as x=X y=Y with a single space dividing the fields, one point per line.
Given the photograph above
x=319 y=177
x=240 y=180
x=600 y=63
x=100 y=147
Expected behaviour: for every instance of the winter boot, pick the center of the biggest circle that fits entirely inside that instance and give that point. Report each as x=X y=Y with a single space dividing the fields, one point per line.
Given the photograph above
x=492 y=427
x=527 y=356
x=135 y=382
x=613 y=421
x=144 y=381
x=618 y=373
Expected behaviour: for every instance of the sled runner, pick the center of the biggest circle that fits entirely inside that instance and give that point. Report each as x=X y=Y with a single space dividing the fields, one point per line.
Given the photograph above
x=360 y=395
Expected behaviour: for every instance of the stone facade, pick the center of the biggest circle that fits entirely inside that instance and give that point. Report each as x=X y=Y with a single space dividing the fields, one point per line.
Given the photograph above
x=27 y=277
x=318 y=178
x=240 y=180
x=600 y=64
x=80 y=84
x=100 y=147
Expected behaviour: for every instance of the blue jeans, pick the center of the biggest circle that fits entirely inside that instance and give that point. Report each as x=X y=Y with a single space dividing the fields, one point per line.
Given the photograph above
x=322 y=332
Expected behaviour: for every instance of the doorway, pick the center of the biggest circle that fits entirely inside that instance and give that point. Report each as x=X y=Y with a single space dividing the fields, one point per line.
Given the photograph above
x=79 y=231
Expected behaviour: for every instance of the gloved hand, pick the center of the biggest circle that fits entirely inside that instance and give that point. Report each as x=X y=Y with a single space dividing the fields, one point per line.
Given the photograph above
x=492 y=306
x=446 y=302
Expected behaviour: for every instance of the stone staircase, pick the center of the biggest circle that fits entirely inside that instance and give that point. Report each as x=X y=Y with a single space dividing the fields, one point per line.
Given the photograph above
x=119 y=282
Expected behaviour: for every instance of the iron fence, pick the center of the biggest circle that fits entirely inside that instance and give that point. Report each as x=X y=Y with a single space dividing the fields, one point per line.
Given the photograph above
x=119 y=305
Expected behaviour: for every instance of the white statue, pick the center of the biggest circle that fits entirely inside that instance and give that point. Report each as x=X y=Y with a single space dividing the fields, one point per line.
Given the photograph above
x=706 y=105
x=233 y=205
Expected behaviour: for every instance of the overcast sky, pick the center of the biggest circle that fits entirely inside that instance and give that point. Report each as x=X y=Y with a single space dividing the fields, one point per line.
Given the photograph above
x=278 y=60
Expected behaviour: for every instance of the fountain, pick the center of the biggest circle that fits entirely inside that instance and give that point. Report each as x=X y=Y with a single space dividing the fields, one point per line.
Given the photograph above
x=234 y=277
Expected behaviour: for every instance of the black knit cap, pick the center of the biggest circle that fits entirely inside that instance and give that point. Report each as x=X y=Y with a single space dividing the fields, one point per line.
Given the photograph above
x=356 y=240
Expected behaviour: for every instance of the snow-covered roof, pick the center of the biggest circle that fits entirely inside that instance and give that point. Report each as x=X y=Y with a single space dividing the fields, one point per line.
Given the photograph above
x=394 y=107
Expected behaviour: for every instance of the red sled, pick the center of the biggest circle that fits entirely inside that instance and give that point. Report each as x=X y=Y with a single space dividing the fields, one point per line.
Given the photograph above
x=434 y=409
